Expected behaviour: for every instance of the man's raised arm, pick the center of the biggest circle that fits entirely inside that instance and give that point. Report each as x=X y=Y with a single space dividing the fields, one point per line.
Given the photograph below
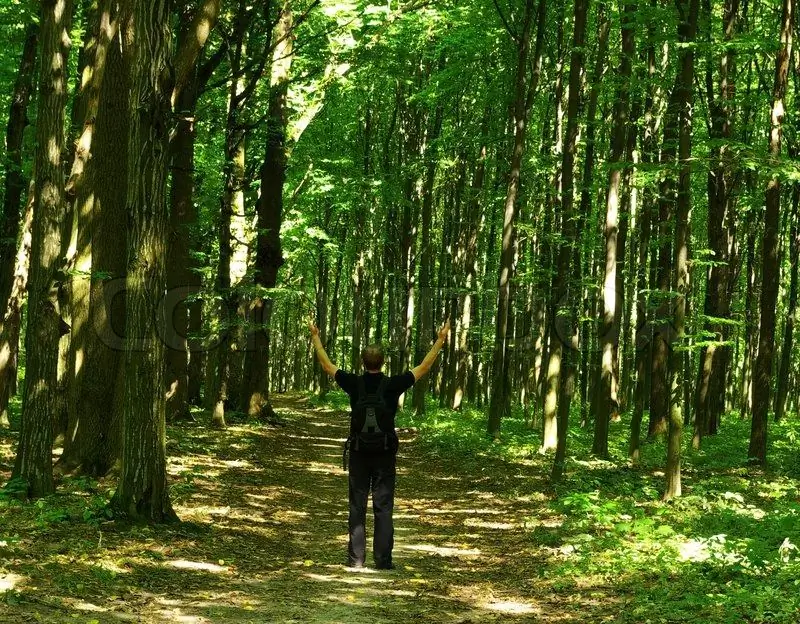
x=424 y=368
x=329 y=367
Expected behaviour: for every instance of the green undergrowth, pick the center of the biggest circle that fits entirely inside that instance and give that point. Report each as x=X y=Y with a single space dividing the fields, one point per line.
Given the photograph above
x=725 y=551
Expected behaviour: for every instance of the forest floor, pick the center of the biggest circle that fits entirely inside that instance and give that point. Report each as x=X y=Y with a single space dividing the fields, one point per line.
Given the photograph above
x=262 y=539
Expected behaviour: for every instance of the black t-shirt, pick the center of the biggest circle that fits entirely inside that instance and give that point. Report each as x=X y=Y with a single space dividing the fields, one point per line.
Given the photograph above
x=396 y=386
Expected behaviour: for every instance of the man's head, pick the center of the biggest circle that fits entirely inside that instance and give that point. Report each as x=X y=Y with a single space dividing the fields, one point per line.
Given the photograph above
x=372 y=357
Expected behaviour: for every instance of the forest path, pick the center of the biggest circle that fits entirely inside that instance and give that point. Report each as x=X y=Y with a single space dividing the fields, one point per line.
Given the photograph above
x=263 y=540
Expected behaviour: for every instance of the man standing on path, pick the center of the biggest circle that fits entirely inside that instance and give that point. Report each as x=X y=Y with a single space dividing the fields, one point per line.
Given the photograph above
x=373 y=443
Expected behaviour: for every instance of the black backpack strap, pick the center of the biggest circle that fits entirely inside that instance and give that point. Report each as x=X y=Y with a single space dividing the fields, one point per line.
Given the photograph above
x=362 y=389
x=382 y=386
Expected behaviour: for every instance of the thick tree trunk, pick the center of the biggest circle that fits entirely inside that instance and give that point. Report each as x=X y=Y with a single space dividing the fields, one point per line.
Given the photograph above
x=551 y=369
x=269 y=256
x=142 y=491
x=93 y=439
x=33 y=465
x=81 y=189
x=762 y=370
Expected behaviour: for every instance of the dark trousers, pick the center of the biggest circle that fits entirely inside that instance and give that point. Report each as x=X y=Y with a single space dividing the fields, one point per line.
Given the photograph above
x=376 y=474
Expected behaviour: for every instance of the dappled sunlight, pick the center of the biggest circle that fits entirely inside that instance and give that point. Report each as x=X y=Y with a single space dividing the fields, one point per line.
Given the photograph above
x=442 y=551
x=198 y=565
x=502 y=526
x=9 y=581
x=264 y=539
x=511 y=607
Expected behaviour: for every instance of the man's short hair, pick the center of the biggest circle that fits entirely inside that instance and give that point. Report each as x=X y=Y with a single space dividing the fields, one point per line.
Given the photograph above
x=372 y=357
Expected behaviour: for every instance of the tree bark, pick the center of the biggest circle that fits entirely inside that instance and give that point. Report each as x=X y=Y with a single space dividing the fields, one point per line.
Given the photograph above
x=565 y=331
x=269 y=256
x=524 y=87
x=12 y=320
x=14 y=182
x=770 y=260
x=608 y=335
x=686 y=35
x=33 y=465
x=142 y=491
x=712 y=370
x=93 y=439
x=782 y=391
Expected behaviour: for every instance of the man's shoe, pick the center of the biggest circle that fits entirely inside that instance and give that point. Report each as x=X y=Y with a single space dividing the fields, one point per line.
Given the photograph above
x=384 y=566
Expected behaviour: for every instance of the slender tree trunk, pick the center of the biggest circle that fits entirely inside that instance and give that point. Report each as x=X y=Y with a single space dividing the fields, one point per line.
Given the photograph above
x=12 y=319
x=142 y=491
x=720 y=183
x=426 y=289
x=608 y=336
x=782 y=391
x=762 y=370
x=33 y=465
x=269 y=255
x=14 y=182
x=523 y=96
x=551 y=370
x=565 y=332
x=686 y=35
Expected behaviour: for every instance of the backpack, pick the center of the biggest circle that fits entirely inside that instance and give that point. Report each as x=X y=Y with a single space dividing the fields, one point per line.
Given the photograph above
x=371 y=425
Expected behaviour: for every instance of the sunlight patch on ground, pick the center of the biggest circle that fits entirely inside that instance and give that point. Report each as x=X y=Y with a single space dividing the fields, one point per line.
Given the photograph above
x=9 y=581
x=486 y=512
x=326 y=468
x=511 y=607
x=318 y=438
x=86 y=606
x=237 y=463
x=177 y=617
x=182 y=564
x=361 y=580
x=442 y=551
x=503 y=526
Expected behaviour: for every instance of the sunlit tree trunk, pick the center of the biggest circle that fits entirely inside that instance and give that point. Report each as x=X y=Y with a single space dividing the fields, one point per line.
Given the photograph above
x=11 y=322
x=269 y=255
x=524 y=88
x=142 y=491
x=762 y=370
x=608 y=336
x=33 y=464
x=686 y=35
x=14 y=180
x=782 y=391
x=565 y=331
x=92 y=441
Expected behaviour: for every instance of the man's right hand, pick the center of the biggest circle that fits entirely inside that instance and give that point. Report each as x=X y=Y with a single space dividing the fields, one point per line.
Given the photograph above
x=444 y=331
x=313 y=329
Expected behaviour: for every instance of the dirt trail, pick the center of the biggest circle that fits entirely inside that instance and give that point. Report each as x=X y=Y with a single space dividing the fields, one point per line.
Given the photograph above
x=263 y=540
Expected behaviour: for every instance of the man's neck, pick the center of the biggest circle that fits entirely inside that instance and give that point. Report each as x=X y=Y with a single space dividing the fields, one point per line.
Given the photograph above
x=374 y=372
